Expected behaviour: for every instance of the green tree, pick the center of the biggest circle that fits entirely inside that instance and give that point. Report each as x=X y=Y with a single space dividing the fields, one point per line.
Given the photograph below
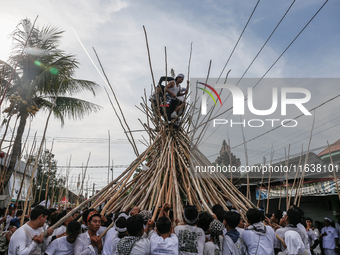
x=46 y=170
x=41 y=68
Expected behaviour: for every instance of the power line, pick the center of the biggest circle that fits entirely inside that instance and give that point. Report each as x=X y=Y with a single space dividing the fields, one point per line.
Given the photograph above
x=313 y=136
x=269 y=70
x=265 y=42
x=286 y=141
x=232 y=52
x=291 y=43
x=114 y=166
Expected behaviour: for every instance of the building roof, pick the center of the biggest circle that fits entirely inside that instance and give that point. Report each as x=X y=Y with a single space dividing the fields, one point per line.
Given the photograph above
x=334 y=147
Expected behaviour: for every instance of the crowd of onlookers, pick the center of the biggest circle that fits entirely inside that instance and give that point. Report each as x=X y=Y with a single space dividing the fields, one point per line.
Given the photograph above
x=216 y=231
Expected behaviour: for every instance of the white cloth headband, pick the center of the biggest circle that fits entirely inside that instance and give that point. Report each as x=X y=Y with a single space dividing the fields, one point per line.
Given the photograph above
x=121 y=230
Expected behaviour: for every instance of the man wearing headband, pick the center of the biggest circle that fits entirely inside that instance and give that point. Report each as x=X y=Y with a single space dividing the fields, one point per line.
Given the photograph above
x=65 y=245
x=107 y=247
x=29 y=239
x=191 y=239
x=330 y=238
x=174 y=89
x=120 y=233
x=136 y=243
x=89 y=243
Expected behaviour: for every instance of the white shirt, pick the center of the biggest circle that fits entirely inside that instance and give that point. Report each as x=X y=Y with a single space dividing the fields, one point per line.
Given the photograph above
x=114 y=240
x=210 y=248
x=60 y=246
x=317 y=249
x=8 y=221
x=107 y=247
x=101 y=230
x=337 y=227
x=141 y=247
x=231 y=248
x=83 y=246
x=22 y=243
x=240 y=230
x=303 y=229
x=159 y=245
x=329 y=240
x=302 y=232
x=264 y=244
x=60 y=230
x=191 y=239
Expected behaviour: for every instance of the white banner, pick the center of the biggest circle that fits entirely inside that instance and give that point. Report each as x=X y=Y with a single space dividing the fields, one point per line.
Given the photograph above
x=18 y=179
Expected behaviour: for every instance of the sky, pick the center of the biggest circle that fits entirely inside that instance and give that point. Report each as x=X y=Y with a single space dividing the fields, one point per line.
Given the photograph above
x=115 y=29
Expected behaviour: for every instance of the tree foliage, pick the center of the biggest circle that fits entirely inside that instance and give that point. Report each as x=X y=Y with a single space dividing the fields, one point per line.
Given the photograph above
x=34 y=73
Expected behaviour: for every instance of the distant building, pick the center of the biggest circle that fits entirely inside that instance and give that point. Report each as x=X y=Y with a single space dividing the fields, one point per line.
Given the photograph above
x=319 y=196
x=17 y=179
x=335 y=153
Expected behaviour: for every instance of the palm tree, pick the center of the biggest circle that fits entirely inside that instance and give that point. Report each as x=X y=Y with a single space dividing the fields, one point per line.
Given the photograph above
x=42 y=68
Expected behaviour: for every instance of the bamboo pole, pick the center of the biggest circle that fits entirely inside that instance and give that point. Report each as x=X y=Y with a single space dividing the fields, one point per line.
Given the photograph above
x=306 y=161
x=39 y=152
x=270 y=173
x=83 y=177
x=333 y=170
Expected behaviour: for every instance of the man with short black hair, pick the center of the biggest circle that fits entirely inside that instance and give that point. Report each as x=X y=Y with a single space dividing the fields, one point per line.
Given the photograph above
x=136 y=243
x=312 y=237
x=29 y=239
x=89 y=243
x=293 y=219
x=62 y=229
x=276 y=217
x=232 y=241
x=163 y=240
x=191 y=239
x=258 y=238
x=65 y=245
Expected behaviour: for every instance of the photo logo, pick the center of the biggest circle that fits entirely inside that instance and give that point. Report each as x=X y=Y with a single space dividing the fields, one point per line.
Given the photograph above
x=204 y=98
x=239 y=99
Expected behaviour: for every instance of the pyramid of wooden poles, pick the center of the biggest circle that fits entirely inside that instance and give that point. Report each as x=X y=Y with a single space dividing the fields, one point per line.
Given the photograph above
x=165 y=171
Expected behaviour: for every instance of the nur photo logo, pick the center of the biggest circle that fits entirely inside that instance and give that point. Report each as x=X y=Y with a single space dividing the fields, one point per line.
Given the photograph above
x=279 y=99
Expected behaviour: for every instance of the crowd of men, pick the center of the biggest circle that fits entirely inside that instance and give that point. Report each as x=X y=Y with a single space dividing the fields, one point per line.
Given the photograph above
x=220 y=231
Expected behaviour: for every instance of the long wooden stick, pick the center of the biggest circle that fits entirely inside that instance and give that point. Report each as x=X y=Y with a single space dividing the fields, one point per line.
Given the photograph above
x=306 y=161
x=270 y=173
x=333 y=169
x=39 y=152
x=49 y=172
x=83 y=178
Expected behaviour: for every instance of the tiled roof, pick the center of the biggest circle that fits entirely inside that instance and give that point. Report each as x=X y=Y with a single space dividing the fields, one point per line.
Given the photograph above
x=334 y=147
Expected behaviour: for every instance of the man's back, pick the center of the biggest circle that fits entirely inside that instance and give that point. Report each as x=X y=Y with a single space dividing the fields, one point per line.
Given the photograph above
x=191 y=239
x=281 y=233
x=22 y=243
x=257 y=243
